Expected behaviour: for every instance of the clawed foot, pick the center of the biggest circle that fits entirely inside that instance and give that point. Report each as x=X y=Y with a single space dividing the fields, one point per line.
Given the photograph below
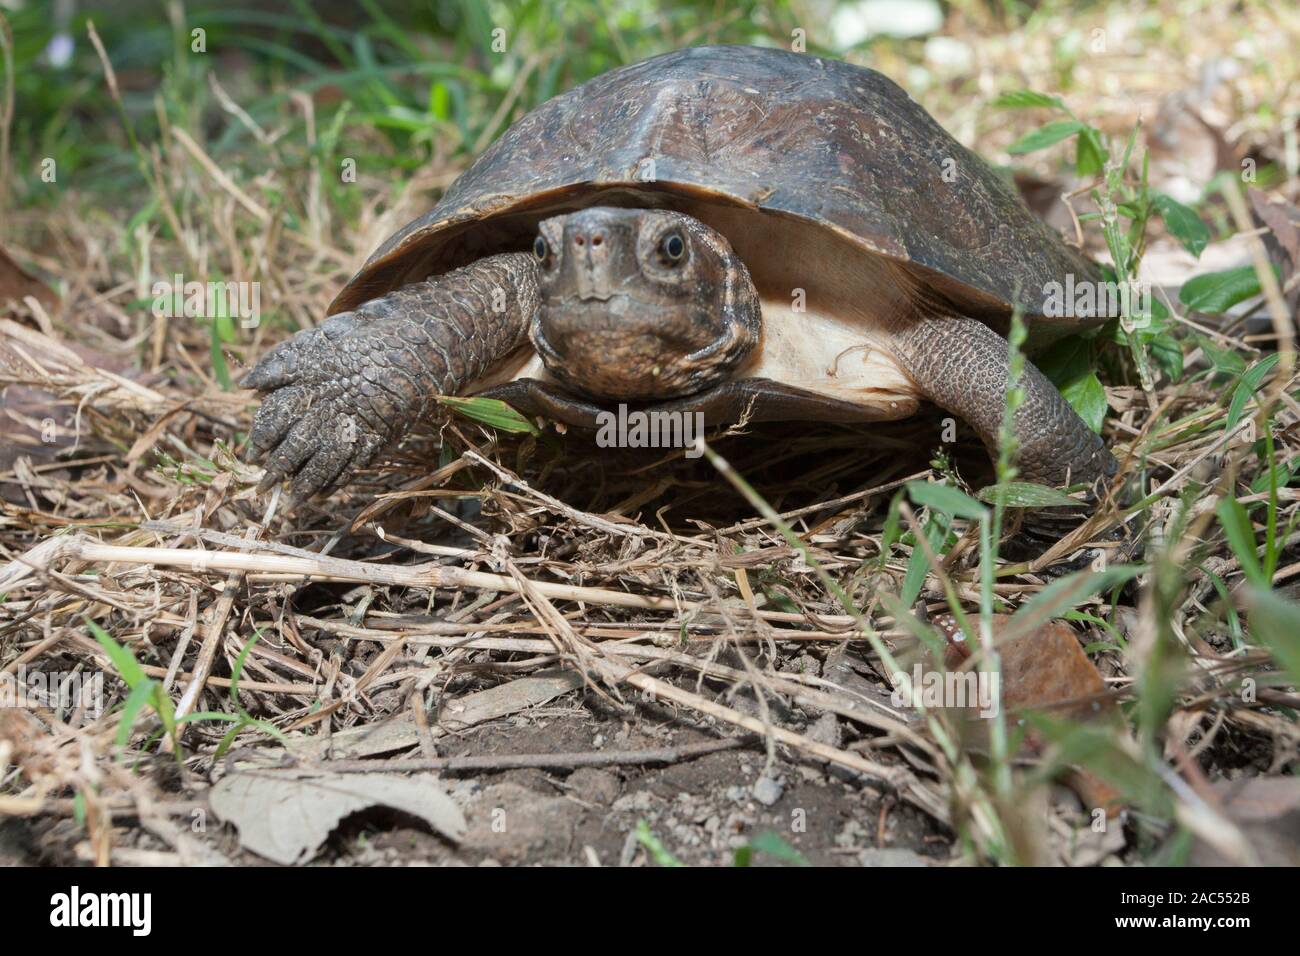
x=330 y=409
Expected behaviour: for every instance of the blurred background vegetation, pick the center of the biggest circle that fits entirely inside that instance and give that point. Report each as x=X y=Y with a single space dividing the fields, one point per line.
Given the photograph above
x=403 y=83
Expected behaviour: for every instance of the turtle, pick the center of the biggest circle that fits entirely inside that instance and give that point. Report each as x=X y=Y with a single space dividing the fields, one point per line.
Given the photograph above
x=739 y=233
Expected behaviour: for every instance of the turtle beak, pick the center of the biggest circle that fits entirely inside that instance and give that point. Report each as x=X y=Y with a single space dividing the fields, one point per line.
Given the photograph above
x=592 y=283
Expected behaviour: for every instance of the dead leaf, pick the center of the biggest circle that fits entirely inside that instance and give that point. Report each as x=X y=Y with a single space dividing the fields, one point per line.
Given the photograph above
x=1167 y=265
x=1079 y=839
x=1045 y=197
x=1045 y=670
x=1186 y=151
x=45 y=386
x=16 y=284
x=285 y=816
x=401 y=731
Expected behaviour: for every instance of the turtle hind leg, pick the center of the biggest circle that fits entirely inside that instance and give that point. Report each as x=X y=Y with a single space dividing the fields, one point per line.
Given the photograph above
x=961 y=365
x=340 y=393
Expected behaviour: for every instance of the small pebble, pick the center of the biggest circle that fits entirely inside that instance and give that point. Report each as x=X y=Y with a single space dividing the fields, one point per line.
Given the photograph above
x=767 y=791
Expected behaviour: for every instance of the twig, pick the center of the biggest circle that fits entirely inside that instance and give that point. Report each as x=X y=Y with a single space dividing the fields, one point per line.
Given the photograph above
x=581 y=517
x=78 y=547
x=556 y=761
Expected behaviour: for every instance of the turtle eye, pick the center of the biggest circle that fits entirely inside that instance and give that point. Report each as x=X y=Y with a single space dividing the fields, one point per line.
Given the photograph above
x=673 y=246
x=539 y=248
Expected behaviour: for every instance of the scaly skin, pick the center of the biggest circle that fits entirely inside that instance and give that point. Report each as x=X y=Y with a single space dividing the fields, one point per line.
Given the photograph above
x=344 y=390
x=961 y=365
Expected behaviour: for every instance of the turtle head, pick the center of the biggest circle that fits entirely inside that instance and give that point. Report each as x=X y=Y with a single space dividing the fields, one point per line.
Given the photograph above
x=641 y=304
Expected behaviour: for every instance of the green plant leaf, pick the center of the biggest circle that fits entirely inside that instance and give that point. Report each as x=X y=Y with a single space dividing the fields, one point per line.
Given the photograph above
x=166 y=710
x=1068 y=365
x=918 y=565
x=237 y=671
x=200 y=716
x=1090 y=155
x=1063 y=594
x=490 y=411
x=893 y=529
x=1097 y=748
x=1226 y=361
x=140 y=695
x=774 y=846
x=1241 y=537
x=1027 y=99
x=1045 y=136
x=1026 y=494
x=220 y=369
x=1066 y=360
x=227 y=739
x=1217 y=292
x=1183 y=223
x=1251 y=379
x=124 y=662
x=1168 y=353
x=658 y=852
x=945 y=498
x=1275 y=623
x=1087 y=396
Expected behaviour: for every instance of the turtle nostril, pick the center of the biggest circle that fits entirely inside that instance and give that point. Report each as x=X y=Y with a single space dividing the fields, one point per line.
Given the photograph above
x=578 y=240
x=597 y=239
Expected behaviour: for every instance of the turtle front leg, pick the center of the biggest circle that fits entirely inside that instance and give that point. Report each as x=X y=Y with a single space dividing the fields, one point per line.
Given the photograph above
x=343 y=391
x=961 y=365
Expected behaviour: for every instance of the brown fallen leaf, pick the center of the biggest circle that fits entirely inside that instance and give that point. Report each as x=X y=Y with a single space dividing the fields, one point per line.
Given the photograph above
x=46 y=386
x=1167 y=266
x=27 y=741
x=1045 y=197
x=1044 y=670
x=16 y=284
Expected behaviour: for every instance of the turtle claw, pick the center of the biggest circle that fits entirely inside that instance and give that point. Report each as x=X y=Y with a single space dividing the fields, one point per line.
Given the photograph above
x=292 y=452
x=332 y=460
x=312 y=451
x=312 y=444
x=320 y=420
x=278 y=367
x=337 y=394
x=274 y=419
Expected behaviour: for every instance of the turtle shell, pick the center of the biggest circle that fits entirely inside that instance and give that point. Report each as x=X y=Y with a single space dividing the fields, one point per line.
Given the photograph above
x=791 y=135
